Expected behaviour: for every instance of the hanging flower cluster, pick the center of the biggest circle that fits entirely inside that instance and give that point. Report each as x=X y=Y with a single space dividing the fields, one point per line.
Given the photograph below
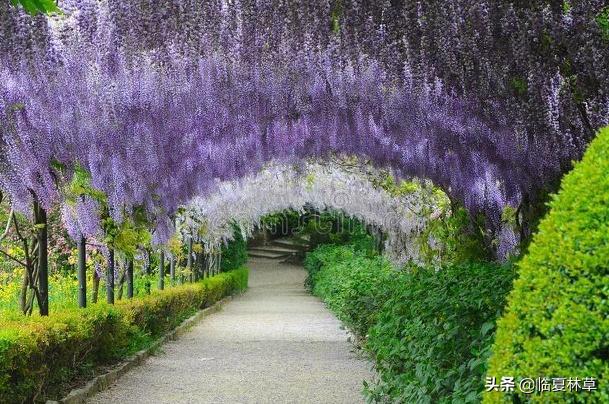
x=489 y=100
x=317 y=185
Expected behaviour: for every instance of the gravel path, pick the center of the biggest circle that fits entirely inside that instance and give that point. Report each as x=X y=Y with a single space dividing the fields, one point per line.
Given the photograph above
x=274 y=344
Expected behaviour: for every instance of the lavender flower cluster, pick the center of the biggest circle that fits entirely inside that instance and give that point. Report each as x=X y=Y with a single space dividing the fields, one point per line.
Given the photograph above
x=490 y=100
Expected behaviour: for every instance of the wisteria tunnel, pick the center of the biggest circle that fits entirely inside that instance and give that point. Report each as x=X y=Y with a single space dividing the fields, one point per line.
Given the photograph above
x=157 y=134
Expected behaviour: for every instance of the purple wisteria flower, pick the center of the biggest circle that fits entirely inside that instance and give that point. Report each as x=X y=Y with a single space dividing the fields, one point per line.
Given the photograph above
x=489 y=100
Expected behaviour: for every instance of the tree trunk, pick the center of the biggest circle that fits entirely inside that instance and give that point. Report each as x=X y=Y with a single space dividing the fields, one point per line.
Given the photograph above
x=172 y=269
x=162 y=270
x=148 y=271
x=43 y=256
x=95 y=292
x=183 y=263
x=219 y=262
x=110 y=277
x=121 y=282
x=206 y=262
x=130 y=279
x=82 y=273
x=189 y=259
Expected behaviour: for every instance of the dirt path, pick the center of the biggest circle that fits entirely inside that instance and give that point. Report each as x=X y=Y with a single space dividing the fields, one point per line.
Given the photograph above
x=274 y=344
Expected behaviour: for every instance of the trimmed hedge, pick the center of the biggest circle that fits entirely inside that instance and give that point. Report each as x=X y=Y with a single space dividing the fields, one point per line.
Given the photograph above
x=41 y=356
x=429 y=332
x=234 y=253
x=353 y=285
x=433 y=336
x=557 y=321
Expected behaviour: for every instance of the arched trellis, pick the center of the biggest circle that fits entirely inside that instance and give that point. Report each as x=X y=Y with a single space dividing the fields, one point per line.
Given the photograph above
x=156 y=112
x=211 y=93
x=322 y=186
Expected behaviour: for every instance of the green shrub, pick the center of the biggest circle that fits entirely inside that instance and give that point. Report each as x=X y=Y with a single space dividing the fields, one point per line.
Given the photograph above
x=323 y=256
x=39 y=355
x=234 y=253
x=335 y=227
x=352 y=284
x=557 y=321
x=429 y=332
x=433 y=335
x=459 y=237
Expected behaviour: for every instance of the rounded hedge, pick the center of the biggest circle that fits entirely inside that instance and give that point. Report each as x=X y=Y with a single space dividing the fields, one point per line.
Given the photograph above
x=557 y=321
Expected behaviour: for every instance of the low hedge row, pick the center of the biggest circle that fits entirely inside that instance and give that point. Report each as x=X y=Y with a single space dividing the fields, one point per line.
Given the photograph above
x=353 y=285
x=41 y=356
x=429 y=332
x=556 y=324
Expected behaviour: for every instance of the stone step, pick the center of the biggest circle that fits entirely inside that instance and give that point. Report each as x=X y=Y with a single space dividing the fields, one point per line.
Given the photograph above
x=274 y=249
x=273 y=256
x=288 y=243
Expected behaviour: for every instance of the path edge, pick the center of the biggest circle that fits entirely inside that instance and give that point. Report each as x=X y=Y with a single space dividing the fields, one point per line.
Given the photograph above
x=105 y=380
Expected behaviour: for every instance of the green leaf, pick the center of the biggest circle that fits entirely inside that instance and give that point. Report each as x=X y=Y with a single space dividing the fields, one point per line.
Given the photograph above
x=35 y=7
x=486 y=327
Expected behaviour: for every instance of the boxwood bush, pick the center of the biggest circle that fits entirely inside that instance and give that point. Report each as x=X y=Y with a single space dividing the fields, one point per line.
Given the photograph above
x=41 y=356
x=428 y=331
x=557 y=321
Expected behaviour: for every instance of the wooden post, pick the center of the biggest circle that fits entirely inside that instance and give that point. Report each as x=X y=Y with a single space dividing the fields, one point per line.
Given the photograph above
x=182 y=277
x=172 y=269
x=82 y=272
x=148 y=270
x=43 y=258
x=204 y=262
x=130 y=279
x=212 y=263
x=219 y=261
x=195 y=264
x=201 y=265
x=207 y=264
x=195 y=267
x=162 y=270
x=189 y=259
x=110 y=277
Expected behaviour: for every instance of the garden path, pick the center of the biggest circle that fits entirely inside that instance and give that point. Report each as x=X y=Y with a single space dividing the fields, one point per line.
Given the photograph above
x=274 y=344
